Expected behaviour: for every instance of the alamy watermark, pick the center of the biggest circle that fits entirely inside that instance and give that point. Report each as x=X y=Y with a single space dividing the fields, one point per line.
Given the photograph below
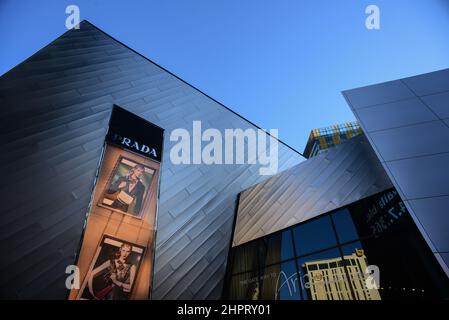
x=237 y=146
x=73 y=20
x=73 y=279
x=372 y=21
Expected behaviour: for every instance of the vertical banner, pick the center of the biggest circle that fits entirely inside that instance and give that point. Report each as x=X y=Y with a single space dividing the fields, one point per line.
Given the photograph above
x=116 y=256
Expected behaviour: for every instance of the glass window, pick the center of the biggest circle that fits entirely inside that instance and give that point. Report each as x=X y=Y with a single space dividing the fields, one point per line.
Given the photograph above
x=344 y=225
x=377 y=235
x=314 y=236
x=406 y=267
x=244 y=287
x=378 y=215
x=276 y=248
x=317 y=280
x=245 y=257
x=280 y=282
x=353 y=248
x=357 y=270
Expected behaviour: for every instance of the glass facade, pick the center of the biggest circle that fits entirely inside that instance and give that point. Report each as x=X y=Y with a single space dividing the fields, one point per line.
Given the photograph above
x=369 y=250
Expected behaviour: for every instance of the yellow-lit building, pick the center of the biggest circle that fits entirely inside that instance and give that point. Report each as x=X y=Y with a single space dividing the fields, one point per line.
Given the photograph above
x=320 y=140
x=329 y=280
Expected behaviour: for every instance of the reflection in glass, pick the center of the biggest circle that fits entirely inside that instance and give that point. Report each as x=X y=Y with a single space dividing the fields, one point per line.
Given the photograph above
x=344 y=225
x=380 y=214
x=351 y=248
x=380 y=255
x=329 y=277
x=314 y=235
x=365 y=282
x=244 y=287
x=245 y=257
x=407 y=268
x=280 y=282
x=275 y=248
x=316 y=282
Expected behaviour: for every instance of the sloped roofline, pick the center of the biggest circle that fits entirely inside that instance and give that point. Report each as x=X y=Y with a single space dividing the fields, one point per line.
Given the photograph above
x=159 y=66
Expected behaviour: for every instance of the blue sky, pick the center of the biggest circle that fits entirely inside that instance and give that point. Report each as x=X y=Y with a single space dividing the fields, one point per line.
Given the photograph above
x=280 y=64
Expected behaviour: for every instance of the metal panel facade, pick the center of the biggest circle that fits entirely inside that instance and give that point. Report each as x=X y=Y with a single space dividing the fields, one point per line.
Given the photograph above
x=407 y=123
x=55 y=107
x=346 y=173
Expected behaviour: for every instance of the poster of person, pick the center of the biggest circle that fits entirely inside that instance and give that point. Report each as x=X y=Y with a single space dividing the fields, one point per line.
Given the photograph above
x=113 y=270
x=128 y=185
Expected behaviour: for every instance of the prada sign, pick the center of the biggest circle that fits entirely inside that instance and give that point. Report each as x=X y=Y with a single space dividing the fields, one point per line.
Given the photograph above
x=133 y=133
x=115 y=262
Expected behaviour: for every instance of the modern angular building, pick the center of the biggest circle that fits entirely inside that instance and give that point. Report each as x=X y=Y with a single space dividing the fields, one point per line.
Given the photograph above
x=86 y=127
x=331 y=216
x=381 y=195
x=55 y=110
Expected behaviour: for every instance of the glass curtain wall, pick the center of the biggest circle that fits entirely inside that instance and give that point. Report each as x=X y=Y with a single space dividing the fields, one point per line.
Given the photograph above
x=369 y=250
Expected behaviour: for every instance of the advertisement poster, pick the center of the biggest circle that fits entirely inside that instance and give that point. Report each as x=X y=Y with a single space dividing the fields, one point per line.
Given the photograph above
x=128 y=187
x=113 y=271
x=116 y=254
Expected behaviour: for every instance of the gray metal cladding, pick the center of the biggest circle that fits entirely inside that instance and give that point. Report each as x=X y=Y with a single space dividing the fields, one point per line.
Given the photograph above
x=407 y=123
x=345 y=174
x=55 y=107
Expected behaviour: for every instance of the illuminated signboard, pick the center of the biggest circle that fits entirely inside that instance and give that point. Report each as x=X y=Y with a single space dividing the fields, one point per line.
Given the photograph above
x=116 y=254
x=130 y=132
